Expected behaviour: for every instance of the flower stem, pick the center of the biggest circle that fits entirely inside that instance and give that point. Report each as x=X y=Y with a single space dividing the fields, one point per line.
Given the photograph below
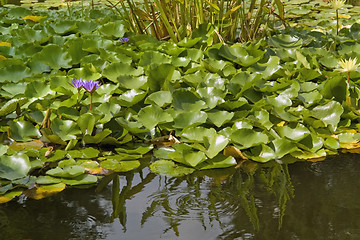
x=337 y=22
x=77 y=100
x=90 y=100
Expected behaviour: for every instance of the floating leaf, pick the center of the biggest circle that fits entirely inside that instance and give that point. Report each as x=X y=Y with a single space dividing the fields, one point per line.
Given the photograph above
x=11 y=105
x=65 y=129
x=113 y=29
x=54 y=56
x=66 y=172
x=160 y=98
x=14 y=72
x=170 y=169
x=151 y=116
x=14 y=166
x=294 y=132
x=17 y=146
x=248 y=138
x=23 y=131
x=10 y=196
x=329 y=113
x=115 y=70
x=85 y=179
x=215 y=144
x=240 y=55
x=84 y=153
x=44 y=191
x=187 y=155
x=188 y=119
x=86 y=123
x=120 y=166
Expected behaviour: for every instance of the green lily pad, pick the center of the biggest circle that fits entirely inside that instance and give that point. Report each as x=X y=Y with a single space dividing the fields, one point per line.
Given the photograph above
x=86 y=122
x=120 y=166
x=160 y=98
x=151 y=116
x=84 y=179
x=54 y=56
x=65 y=129
x=14 y=72
x=189 y=119
x=153 y=57
x=37 y=89
x=84 y=153
x=14 y=166
x=66 y=172
x=215 y=144
x=170 y=169
x=329 y=113
x=11 y=105
x=23 y=131
x=248 y=138
x=220 y=117
x=295 y=132
x=115 y=70
x=113 y=29
x=220 y=161
x=185 y=154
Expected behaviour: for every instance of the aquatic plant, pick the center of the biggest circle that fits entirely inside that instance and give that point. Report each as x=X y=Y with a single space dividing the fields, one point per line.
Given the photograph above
x=89 y=86
x=124 y=39
x=337 y=4
x=348 y=66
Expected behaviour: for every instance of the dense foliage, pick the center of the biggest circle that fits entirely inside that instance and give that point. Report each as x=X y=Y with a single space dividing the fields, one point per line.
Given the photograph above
x=193 y=105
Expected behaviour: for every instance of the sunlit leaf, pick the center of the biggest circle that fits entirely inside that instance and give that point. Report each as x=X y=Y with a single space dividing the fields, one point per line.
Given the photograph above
x=329 y=113
x=188 y=119
x=14 y=166
x=23 y=131
x=44 y=191
x=120 y=166
x=160 y=98
x=10 y=196
x=169 y=168
x=11 y=105
x=54 y=56
x=248 y=138
x=65 y=129
x=153 y=115
x=85 y=179
x=215 y=144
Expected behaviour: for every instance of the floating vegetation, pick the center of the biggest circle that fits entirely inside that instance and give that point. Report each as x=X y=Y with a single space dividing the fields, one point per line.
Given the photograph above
x=191 y=105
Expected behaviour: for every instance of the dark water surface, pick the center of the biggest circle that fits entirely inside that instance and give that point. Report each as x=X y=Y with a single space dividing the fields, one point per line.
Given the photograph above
x=303 y=200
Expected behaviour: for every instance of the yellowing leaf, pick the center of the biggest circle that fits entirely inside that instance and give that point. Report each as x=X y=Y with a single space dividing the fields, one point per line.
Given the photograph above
x=35 y=144
x=234 y=152
x=10 y=196
x=2 y=57
x=44 y=191
x=344 y=16
x=5 y=44
x=33 y=18
x=350 y=146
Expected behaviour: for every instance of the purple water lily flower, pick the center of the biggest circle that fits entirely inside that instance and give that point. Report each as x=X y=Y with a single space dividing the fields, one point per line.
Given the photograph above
x=91 y=86
x=124 y=39
x=76 y=83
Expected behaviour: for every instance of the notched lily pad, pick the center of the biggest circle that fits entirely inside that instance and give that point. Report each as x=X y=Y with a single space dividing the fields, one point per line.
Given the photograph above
x=170 y=169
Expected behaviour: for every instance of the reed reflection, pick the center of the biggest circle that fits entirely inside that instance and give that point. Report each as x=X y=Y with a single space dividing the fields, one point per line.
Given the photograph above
x=218 y=198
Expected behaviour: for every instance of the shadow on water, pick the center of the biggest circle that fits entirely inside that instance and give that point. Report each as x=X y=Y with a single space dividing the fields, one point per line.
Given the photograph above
x=254 y=201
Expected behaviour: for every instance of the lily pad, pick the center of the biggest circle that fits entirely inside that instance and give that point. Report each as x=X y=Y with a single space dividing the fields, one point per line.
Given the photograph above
x=170 y=169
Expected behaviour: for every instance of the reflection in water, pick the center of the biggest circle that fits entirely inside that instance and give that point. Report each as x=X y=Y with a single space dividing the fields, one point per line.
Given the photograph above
x=254 y=201
x=212 y=198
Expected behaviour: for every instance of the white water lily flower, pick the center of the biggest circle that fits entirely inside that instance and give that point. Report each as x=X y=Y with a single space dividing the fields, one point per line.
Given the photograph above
x=337 y=4
x=348 y=65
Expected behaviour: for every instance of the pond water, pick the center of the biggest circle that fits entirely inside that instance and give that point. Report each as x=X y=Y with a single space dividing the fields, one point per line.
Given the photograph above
x=303 y=200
